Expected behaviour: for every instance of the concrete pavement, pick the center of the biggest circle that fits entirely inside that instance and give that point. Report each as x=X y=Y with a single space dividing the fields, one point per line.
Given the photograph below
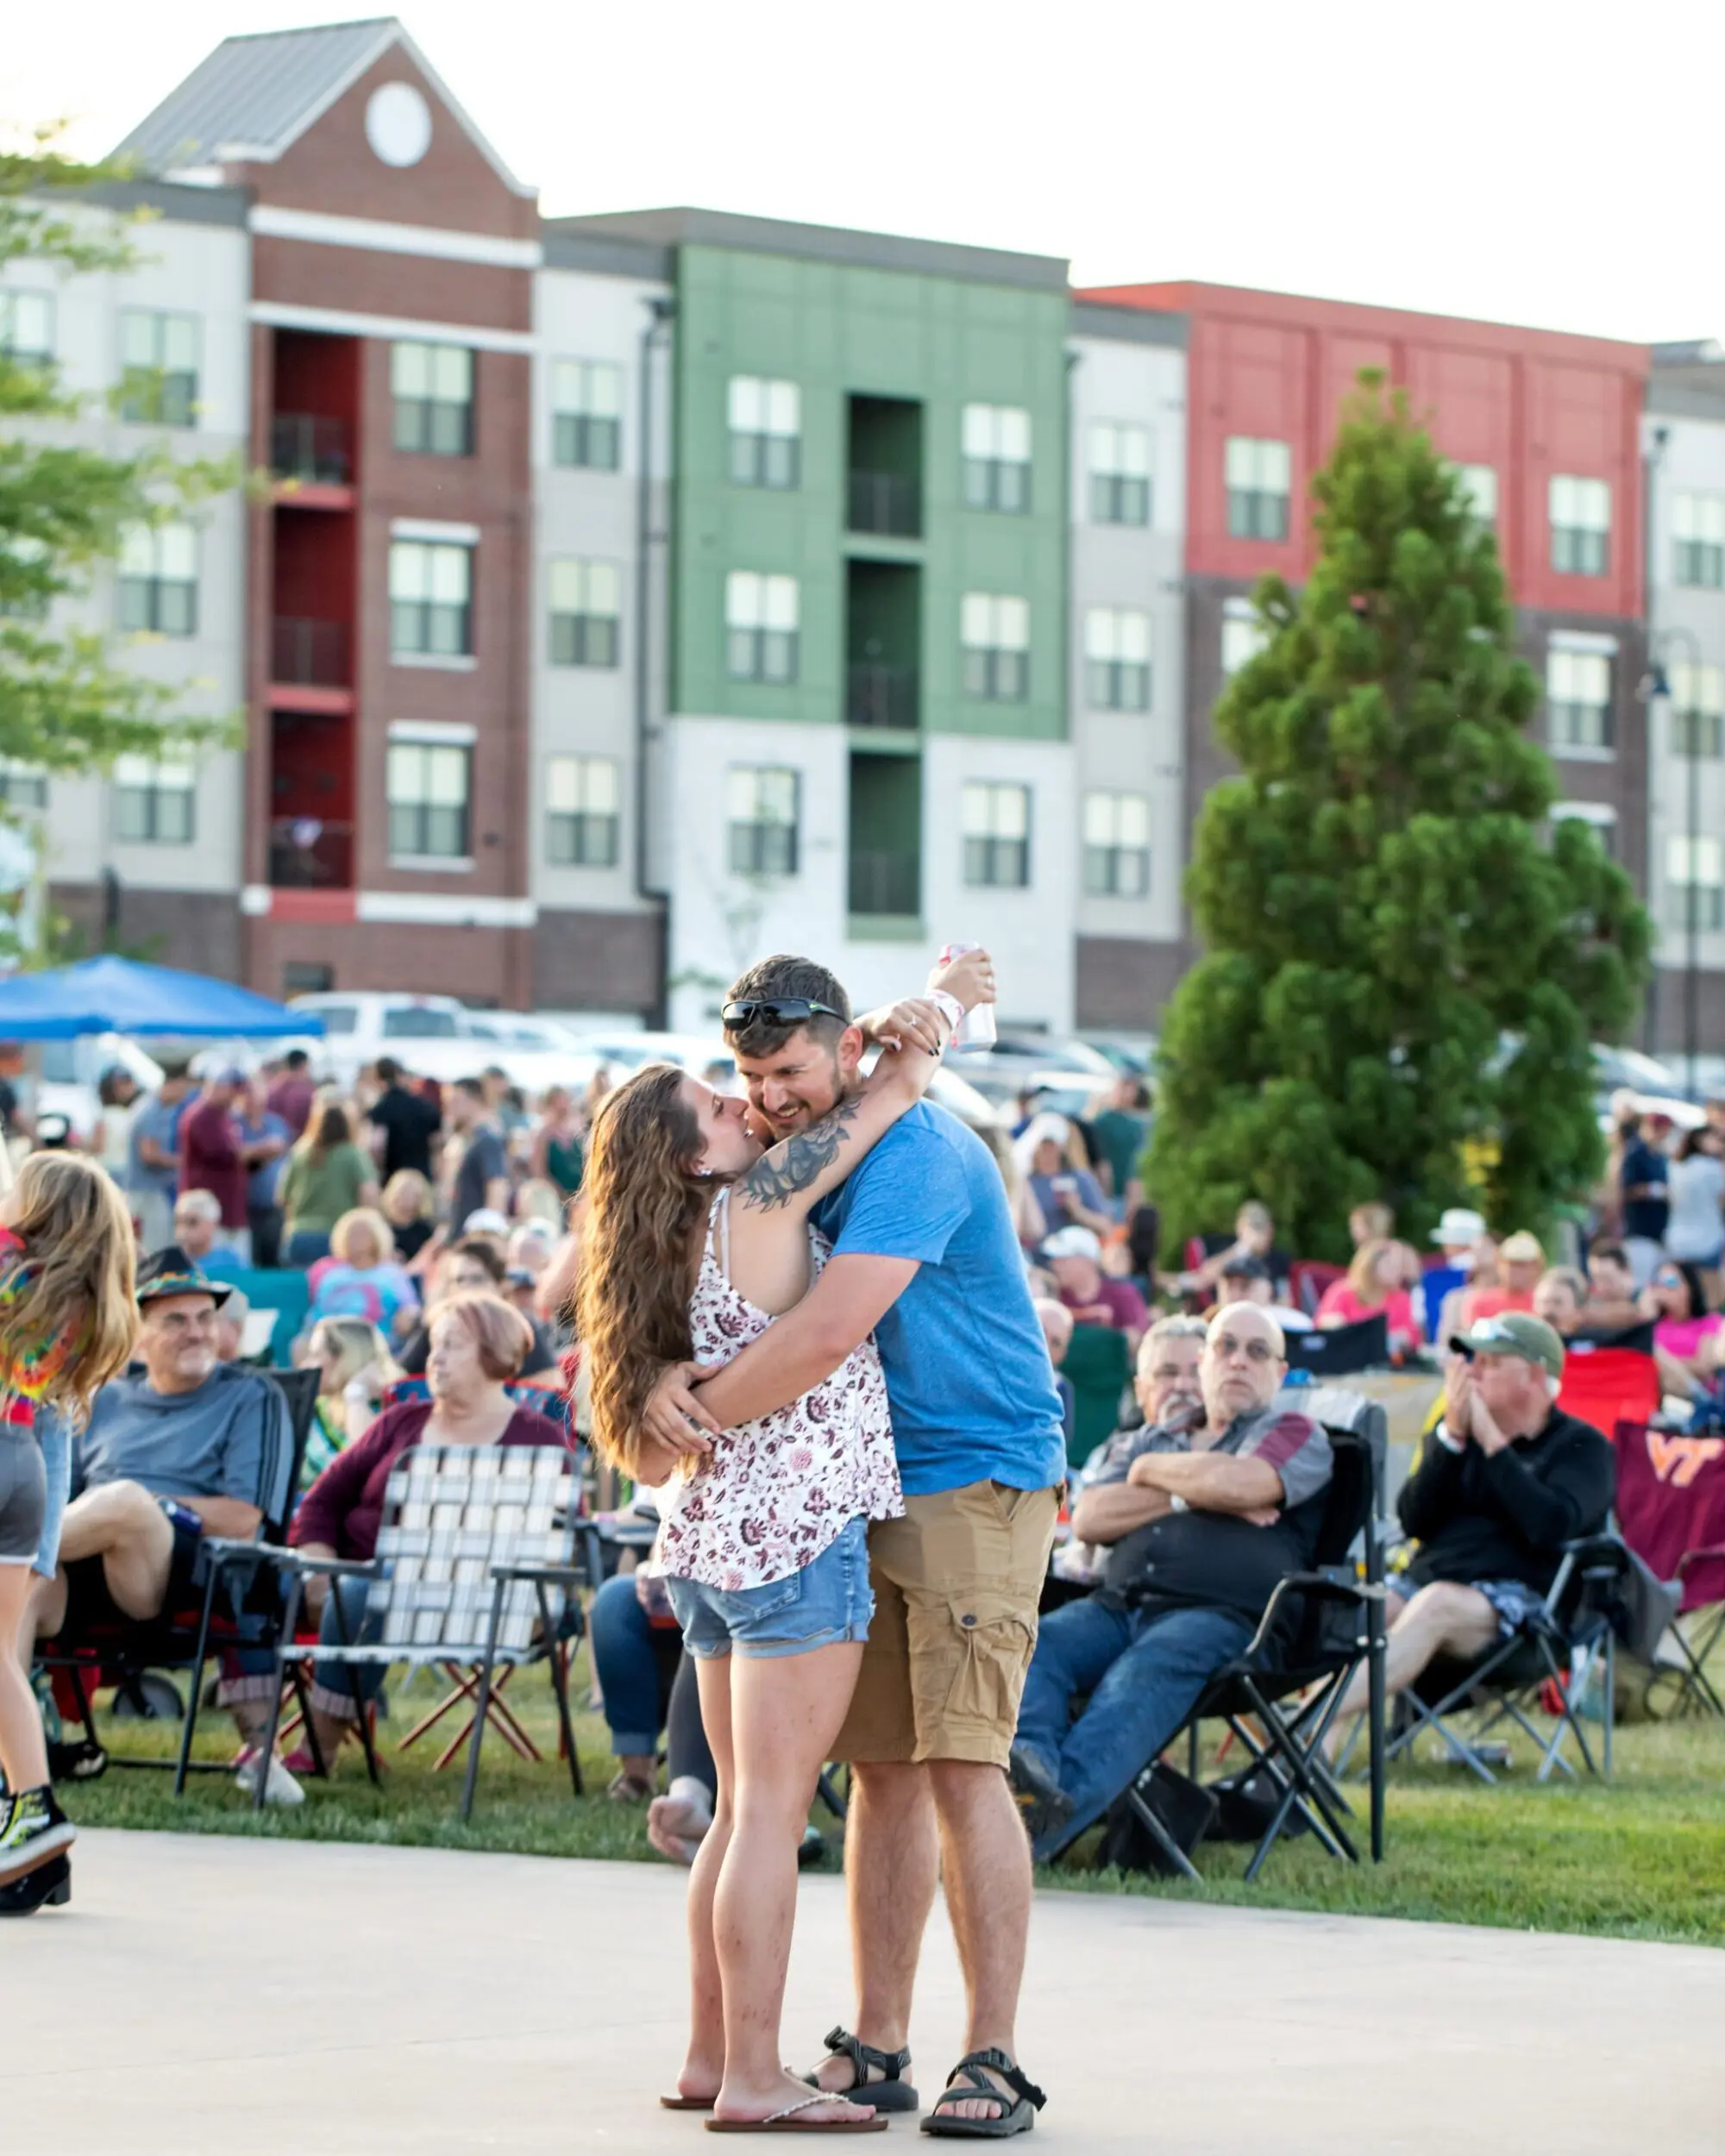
x=279 y=1997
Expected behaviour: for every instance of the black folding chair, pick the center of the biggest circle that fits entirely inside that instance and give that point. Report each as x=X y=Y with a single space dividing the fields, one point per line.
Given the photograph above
x=1556 y=1650
x=1281 y=1695
x=241 y=1604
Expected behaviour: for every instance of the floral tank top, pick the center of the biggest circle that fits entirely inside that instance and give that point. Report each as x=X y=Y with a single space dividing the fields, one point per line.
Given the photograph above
x=23 y=1385
x=773 y=1494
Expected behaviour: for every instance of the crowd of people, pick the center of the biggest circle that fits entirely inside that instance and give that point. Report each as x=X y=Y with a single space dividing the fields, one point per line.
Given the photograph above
x=837 y=1345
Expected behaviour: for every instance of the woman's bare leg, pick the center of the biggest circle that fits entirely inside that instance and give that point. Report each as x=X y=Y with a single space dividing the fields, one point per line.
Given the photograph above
x=23 y=1751
x=703 y=2068
x=786 y=1711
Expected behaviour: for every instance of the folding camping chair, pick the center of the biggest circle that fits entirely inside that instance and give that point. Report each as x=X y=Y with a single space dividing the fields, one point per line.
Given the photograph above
x=1671 y=1501
x=474 y=1569
x=1340 y=1350
x=1556 y=1652
x=242 y=1607
x=1317 y=1629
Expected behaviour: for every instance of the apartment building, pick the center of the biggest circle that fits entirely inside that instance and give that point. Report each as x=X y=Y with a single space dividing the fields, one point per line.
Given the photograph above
x=631 y=595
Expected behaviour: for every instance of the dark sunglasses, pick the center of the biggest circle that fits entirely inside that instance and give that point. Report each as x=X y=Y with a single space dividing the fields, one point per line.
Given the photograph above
x=778 y=1010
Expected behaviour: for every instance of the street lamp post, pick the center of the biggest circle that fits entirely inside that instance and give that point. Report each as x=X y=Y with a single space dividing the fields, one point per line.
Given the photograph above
x=1660 y=685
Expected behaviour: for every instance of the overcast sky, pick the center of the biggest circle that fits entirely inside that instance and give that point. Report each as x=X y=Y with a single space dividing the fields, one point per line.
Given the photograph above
x=1525 y=161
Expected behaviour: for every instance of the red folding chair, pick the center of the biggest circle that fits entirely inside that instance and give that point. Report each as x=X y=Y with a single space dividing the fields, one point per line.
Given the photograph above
x=1609 y=1385
x=1671 y=1501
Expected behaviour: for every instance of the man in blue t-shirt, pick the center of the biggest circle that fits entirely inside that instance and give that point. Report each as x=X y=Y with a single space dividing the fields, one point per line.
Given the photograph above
x=925 y=1257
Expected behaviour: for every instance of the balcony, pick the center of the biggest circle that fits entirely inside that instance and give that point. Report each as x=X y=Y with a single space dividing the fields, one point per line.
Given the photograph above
x=881 y=695
x=307 y=853
x=886 y=504
x=307 y=450
x=885 y=883
x=310 y=653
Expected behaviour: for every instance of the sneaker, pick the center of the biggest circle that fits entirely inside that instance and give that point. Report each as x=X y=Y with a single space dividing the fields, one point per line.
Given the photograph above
x=33 y=1830
x=279 y=1786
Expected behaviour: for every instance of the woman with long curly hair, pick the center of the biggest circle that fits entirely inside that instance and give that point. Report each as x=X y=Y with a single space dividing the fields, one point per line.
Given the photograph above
x=695 y=1240
x=67 y=1323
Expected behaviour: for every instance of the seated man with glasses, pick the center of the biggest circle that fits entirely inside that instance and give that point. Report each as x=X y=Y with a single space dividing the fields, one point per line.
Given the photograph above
x=1202 y=1516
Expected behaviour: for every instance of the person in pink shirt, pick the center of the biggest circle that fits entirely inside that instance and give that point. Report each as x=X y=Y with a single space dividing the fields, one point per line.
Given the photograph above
x=1371 y=1285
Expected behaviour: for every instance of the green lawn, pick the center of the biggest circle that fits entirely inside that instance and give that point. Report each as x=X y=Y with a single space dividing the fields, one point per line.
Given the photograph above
x=1643 y=1858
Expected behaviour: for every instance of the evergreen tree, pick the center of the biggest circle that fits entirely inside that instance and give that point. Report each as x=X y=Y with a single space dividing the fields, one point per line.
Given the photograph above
x=1405 y=964
x=65 y=705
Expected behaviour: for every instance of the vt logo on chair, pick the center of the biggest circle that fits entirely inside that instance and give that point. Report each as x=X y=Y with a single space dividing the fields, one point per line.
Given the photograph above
x=1679 y=1460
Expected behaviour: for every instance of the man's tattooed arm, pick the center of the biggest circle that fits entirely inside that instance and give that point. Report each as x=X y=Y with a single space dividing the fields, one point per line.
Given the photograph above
x=791 y=1166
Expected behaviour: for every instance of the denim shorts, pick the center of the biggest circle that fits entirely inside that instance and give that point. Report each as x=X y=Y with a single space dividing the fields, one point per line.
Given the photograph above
x=825 y=1604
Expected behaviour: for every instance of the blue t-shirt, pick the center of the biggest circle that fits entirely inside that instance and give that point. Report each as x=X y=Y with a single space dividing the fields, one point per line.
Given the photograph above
x=968 y=1375
x=158 y=1119
x=261 y=1182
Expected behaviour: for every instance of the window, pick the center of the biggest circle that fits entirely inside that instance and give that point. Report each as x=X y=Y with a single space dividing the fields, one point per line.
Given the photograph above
x=996 y=441
x=1577 y=699
x=1119 y=474
x=152 y=801
x=766 y=431
x=996 y=635
x=434 y=398
x=1243 y=635
x=586 y=602
x=1116 y=845
x=22 y=786
x=418 y=1022
x=1479 y=483
x=1699 y=528
x=26 y=569
x=762 y=807
x=1695 y=881
x=587 y=414
x=158 y=367
x=428 y=784
x=761 y=626
x=581 y=802
x=1116 y=660
x=1697 y=706
x=995 y=820
x=1581 y=526
x=431 y=595
x=1259 y=480
x=159 y=579
x=27 y=326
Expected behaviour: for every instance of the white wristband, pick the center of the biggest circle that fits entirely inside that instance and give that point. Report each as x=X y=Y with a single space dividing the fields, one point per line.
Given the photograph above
x=949 y=1007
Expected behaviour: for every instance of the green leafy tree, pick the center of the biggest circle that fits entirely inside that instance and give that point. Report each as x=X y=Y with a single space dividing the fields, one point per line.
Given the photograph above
x=67 y=706
x=1405 y=963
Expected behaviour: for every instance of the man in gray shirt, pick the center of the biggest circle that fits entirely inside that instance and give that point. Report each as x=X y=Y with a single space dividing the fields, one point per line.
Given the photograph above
x=190 y=1446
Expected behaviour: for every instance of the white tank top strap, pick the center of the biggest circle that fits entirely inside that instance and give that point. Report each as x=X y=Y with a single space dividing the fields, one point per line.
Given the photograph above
x=718 y=1222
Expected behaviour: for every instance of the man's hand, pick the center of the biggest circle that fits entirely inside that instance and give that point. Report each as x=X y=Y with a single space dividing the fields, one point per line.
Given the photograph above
x=1458 y=1399
x=1487 y=1434
x=673 y=1417
x=911 y=1024
x=971 y=978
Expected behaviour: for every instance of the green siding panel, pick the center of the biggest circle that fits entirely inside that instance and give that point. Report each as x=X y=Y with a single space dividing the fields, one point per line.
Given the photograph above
x=838 y=331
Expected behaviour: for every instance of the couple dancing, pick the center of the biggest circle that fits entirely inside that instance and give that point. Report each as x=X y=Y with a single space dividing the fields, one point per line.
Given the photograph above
x=827 y=1350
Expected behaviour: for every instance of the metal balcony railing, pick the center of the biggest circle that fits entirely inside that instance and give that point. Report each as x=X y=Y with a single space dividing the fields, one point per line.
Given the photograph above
x=307 y=447
x=885 y=883
x=307 y=853
x=309 y=654
x=887 y=504
x=878 y=695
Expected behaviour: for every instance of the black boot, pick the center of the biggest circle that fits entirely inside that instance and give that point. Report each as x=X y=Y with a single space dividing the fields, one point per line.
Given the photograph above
x=49 y=1882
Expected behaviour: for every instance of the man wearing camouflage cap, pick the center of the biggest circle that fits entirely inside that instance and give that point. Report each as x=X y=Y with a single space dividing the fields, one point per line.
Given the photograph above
x=1506 y=1478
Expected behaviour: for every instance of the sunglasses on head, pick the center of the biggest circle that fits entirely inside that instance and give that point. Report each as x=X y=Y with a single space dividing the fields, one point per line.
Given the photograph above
x=778 y=1011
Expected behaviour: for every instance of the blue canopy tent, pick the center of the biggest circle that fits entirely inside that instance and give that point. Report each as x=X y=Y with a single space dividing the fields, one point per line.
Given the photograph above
x=119 y=995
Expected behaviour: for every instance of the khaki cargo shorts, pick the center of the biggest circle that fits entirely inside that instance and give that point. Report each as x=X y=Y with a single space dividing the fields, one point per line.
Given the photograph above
x=956 y=1584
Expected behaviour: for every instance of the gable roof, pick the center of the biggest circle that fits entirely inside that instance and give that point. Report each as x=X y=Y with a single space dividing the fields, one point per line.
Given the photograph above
x=253 y=96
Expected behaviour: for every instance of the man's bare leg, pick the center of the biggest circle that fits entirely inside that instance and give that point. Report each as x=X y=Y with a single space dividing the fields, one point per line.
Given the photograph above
x=123 y=1525
x=892 y=1864
x=986 y=1867
x=1444 y=1618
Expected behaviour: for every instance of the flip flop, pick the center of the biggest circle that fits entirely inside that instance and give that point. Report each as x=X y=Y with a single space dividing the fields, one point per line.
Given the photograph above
x=787 y=2121
x=685 y=2103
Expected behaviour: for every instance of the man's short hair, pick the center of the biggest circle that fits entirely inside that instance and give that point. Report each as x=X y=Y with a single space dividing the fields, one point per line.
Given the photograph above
x=484 y=1252
x=197 y=1205
x=785 y=977
x=1613 y=1254
x=1179 y=1327
x=1244 y=1267
x=388 y=1069
x=473 y=1088
x=296 y=1059
x=1256 y=1212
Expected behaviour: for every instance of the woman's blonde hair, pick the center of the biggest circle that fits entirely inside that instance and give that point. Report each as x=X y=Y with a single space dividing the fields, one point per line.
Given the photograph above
x=1364 y=1275
x=502 y=1335
x=645 y=1206
x=82 y=1282
x=353 y=1342
x=406 y=1179
x=372 y=1220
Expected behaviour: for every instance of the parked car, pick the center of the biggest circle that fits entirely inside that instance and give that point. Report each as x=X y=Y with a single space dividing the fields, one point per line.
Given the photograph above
x=72 y=1070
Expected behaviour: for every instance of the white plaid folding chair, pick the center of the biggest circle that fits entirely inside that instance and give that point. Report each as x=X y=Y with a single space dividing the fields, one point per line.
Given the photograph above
x=474 y=1571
